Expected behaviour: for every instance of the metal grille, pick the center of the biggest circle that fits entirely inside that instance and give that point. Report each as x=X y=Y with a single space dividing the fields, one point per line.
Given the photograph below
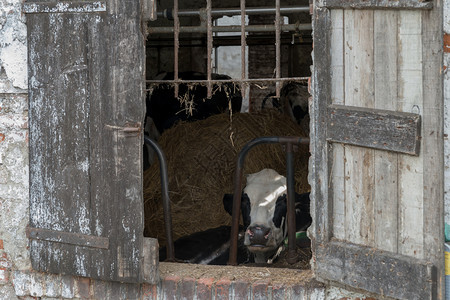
x=206 y=17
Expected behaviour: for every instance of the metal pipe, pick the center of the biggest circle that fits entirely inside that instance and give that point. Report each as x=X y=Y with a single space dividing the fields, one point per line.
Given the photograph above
x=238 y=186
x=165 y=196
x=217 y=12
x=231 y=28
x=292 y=256
x=209 y=41
x=223 y=81
x=277 y=46
x=243 y=45
x=176 y=41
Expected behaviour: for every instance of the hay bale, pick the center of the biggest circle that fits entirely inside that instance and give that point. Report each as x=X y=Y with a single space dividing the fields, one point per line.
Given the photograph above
x=201 y=158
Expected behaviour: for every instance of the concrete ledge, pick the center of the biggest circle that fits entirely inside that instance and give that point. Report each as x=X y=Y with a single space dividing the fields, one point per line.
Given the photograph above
x=228 y=282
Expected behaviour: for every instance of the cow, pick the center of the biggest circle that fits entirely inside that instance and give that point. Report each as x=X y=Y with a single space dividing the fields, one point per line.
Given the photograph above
x=294 y=102
x=209 y=247
x=192 y=103
x=264 y=213
x=164 y=110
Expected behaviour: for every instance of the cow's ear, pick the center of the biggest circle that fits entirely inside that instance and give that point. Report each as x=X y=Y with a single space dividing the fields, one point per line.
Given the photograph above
x=302 y=215
x=245 y=209
x=302 y=201
x=280 y=211
x=228 y=203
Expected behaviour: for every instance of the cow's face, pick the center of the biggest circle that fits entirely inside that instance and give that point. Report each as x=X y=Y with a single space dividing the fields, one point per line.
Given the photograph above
x=263 y=207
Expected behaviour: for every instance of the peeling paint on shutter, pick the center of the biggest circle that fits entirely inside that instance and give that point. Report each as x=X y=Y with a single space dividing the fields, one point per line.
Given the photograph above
x=86 y=76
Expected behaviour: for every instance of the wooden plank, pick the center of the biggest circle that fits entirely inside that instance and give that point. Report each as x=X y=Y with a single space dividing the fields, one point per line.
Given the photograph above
x=359 y=91
x=320 y=153
x=379 y=4
x=151 y=260
x=376 y=271
x=375 y=128
x=433 y=161
x=59 y=166
x=337 y=97
x=410 y=99
x=386 y=189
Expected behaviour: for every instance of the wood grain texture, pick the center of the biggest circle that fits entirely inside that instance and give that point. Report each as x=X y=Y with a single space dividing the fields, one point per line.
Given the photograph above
x=379 y=4
x=386 y=163
x=337 y=175
x=376 y=271
x=433 y=142
x=359 y=92
x=86 y=82
x=410 y=99
x=391 y=202
x=375 y=128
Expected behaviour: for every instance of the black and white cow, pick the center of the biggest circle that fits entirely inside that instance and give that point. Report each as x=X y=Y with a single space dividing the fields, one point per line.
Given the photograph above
x=192 y=102
x=264 y=213
x=164 y=110
x=209 y=247
x=294 y=101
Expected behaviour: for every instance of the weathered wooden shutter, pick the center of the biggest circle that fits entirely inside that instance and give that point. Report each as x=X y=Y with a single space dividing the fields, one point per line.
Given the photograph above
x=86 y=107
x=377 y=140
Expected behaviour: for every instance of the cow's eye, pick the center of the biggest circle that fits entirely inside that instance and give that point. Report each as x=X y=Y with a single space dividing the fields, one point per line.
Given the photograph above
x=280 y=211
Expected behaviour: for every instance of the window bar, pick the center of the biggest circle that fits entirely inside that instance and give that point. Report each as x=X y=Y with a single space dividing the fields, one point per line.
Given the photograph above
x=176 y=45
x=243 y=45
x=222 y=81
x=209 y=44
x=277 y=46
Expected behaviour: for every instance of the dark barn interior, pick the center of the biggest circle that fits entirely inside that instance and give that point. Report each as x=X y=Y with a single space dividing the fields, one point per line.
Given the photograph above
x=201 y=155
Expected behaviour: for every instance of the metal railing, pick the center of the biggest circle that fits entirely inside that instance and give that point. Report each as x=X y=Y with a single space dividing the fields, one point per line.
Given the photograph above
x=289 y=141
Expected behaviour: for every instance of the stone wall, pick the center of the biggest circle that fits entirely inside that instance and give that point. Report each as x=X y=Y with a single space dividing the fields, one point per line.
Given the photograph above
x=447 y=109
x=13 y=145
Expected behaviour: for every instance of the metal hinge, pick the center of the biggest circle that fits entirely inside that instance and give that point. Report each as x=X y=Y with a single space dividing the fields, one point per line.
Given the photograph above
x=67 y=238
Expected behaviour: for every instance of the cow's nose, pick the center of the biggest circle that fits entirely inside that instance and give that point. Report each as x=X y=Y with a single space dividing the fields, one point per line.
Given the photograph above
x=258 y=235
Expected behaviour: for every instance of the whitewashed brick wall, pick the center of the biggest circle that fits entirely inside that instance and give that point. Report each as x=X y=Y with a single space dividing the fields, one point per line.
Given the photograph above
x=447 y=114
x=13 y=145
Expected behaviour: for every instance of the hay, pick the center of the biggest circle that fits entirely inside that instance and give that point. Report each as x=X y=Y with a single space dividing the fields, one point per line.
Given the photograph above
x=201 y=158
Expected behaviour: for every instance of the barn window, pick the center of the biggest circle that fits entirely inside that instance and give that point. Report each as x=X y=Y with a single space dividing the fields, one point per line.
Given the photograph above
x=213 y=51
x=376 y=76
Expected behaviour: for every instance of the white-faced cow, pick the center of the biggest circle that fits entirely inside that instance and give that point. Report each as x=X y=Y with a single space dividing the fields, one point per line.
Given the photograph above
x=264 y=213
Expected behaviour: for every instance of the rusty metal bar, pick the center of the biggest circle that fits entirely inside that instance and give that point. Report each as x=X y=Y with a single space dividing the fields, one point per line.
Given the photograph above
x=222 y=81
x=232 y=28
x=238 y=187
x=243 y=45
x=176 y=44
x=217 y=12
x=292 y=256
x=209 y=40
x=71 y=238
x=165 y=197
x=277 y=46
